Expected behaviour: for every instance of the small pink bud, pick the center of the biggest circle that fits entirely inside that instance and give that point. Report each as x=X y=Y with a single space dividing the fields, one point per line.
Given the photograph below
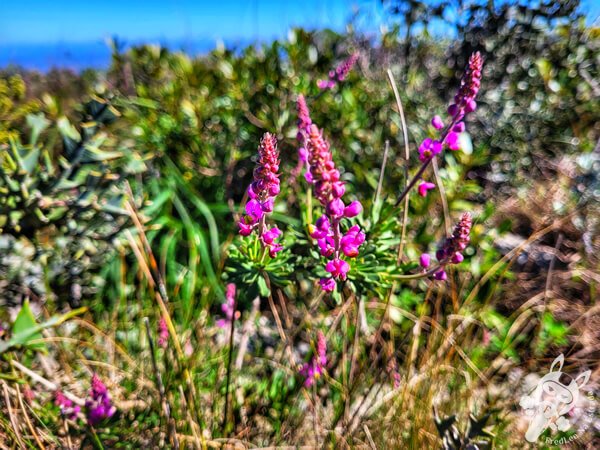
x=267 y=205
x=470 y=106
x=441 y=275
x=425 y=260
x=437 y=122
x=459 y=127
x=457 y=258
x=335 y=208
x=453 y=110
x=245 y=230
x=338 y=189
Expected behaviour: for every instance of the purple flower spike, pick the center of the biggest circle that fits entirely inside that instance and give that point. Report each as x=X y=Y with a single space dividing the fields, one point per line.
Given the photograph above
x=425 y=260
x=163 y=333
x=339 y=74
x=329 y=190
x=313 y=370
x=262 y=193
x=98 y=405
x=464 y=101
x=451 y=250
x=228 y=307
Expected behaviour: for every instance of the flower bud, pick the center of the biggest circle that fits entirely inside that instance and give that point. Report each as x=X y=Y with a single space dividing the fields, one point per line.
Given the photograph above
x=353 y=209
x=335 y=208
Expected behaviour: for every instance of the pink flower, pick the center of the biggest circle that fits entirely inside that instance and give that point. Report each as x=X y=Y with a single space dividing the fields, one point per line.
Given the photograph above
x=459 y=127
x=453 y=141
x=327 y=284
x=163 y=333
x=67 y=408
x=353 y=209
x=335 y=208
x=228 y=307
x=424 y=187
x=425 y=260
x=351 y=241
x=428 y=149
x=339 y=74
x=338 y=268
x=437 y=122
x=440 y=275
x=314 y=369
x=98 y=405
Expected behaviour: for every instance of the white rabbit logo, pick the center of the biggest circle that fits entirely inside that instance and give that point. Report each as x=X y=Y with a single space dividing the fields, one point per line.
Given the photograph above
x=551 y=400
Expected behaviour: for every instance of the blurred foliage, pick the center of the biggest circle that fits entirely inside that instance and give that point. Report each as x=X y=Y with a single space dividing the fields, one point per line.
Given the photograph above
x=62 y=195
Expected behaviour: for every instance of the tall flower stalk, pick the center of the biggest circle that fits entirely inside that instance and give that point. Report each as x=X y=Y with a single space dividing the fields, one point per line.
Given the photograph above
x=329 y=190
x=464 y=103
x=262 y=193
x=450 y=250
x=313 y=370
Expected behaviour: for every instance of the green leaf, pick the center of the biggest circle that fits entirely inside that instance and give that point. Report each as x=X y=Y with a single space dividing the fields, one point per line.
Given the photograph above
x=28 y=329
x=29 y=159
x=38 y=123
x=263 y=288
x=24 y=327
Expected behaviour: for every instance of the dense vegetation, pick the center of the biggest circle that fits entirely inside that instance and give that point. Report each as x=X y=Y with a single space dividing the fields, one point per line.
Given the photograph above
x=121 y=197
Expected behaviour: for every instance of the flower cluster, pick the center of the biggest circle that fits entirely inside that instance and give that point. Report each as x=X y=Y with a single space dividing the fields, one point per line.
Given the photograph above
x=228 y=308
x=98 y=404
x=329 y=189
x=392 y=368
x=67 y=408
x=312 y=370
x=304 y=124
x=450 y=252
x=163 y=333
x=339 y=74
x=464 y=103
x=262 y=193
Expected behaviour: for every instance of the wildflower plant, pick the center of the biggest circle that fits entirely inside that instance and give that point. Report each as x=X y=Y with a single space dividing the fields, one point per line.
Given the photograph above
x=261 y=249
x=329 y=190
x=98 y=405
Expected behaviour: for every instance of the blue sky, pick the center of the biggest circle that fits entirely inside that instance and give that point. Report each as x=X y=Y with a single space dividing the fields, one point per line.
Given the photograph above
x=42 y=33
x=42 y=21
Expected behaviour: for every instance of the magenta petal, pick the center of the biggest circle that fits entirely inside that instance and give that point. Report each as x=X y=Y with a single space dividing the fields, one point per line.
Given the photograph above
x=353 y=209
